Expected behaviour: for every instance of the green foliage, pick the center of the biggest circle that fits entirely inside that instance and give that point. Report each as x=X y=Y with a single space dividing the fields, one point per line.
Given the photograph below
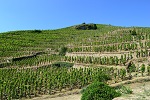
x=148 y=70
x=133 y=32
x=17 y=48
x=99 y=91
x=44 y=80
x=124 y=90
x=62 y=64
x=36 y=31
x=123 y=73
x=86 y=27
x=131 y=67
x=95 y=60
x=83 y=89
x=142 y=69
x=63 y=51
x=102 y=77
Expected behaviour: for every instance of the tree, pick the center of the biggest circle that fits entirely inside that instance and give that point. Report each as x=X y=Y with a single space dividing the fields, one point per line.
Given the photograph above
x=131 y=67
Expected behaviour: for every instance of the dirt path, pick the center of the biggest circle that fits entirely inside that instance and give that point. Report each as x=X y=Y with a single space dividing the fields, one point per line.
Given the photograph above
x=68 y=97
x=82 y=65
x=96 y=54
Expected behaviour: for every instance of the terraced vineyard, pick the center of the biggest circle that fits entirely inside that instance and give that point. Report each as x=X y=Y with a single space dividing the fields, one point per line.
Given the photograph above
x=34 y=62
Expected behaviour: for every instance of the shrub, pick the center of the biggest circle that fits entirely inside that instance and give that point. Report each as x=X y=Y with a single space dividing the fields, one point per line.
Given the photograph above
x=63 y=51
x=142 y=69
x=86 y=27
x=101 y=77
x=148 y=70
x=131 y=67
x=62 y=64
x=123 y=73
x=36 y=31
x=133 y=32
x=99 y=91
x=124 y=90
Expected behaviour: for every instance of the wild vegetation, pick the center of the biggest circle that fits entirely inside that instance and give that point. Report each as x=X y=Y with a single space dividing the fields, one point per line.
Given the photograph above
x=35 y=62
x=99 y=91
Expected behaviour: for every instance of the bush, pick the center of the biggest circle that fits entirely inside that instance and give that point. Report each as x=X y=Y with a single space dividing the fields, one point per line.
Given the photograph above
x=84 y=26
x=99 y=91
x=102 y=77
x=142 y=69
x=123 y=73
x=148 y=70
x=63 y=51
x=125 y=90
x=131 y=67
x=36 y=31
x=133 y=32
x=62 y=64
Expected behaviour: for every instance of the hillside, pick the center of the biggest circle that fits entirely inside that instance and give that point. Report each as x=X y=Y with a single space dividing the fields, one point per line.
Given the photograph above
x=23 y=43
x=28 y=57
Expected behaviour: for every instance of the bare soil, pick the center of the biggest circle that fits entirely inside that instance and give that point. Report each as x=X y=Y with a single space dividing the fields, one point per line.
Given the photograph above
x=95 y=54
x=69 y=95
x=141 y=91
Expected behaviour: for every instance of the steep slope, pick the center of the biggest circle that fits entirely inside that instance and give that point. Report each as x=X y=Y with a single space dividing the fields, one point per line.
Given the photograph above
x=24 y=43
x=34 y=62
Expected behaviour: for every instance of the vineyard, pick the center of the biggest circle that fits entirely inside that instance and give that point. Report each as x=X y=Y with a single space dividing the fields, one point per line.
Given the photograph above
x=35 y=62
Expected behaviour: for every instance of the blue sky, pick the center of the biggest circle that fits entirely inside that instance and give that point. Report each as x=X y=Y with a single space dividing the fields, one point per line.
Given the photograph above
x=54 y=14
